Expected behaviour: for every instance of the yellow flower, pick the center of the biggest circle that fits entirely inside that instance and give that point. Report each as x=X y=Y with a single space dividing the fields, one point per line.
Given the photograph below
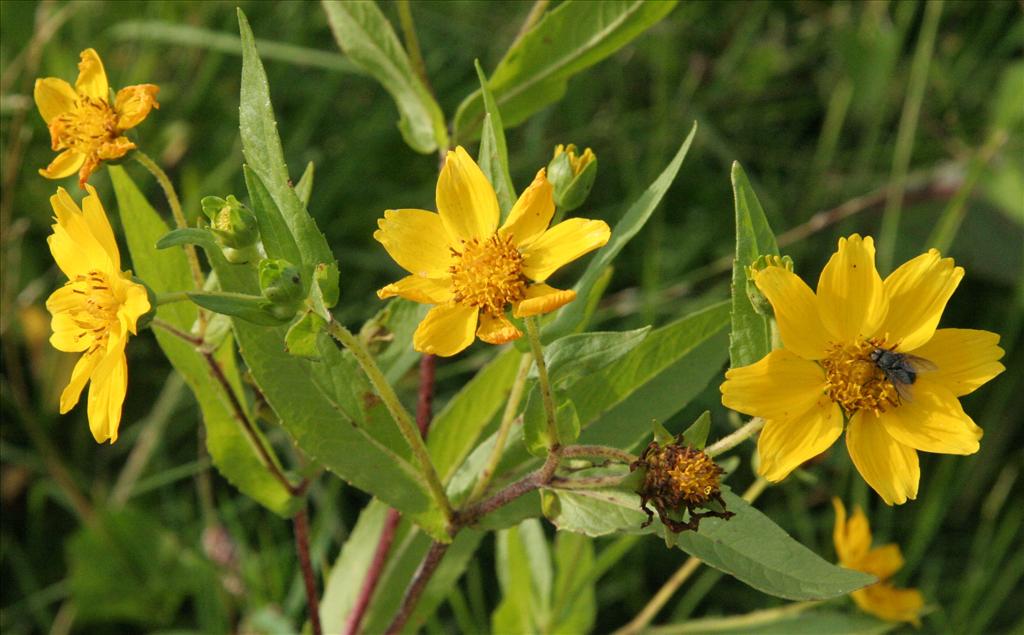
x=84 y=127
x=852 y=539
x=577 y=162
x=830 y=369
x=94 y=311
x=472 y=270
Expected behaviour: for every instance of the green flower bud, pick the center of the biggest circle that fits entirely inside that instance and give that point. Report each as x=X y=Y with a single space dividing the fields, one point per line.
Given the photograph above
x=233 y=223
x=572 y=176
x=757 y=299
x=281 y=283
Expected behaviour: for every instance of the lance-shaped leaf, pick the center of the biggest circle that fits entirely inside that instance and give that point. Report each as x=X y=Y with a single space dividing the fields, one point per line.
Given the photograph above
x=166 y=271
x=567 y=40
x=750 y=339
x=523 y=560
x=749 y=546
x=493 y=157
x=366 y=37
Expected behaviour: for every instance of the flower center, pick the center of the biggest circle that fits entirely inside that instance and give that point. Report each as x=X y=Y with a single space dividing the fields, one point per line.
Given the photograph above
x=90 y=124
x=488 y=274
x=96 y=313
x=854 y=380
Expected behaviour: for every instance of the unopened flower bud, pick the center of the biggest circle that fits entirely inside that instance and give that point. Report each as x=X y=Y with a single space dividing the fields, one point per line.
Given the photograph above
x=572 y=176
x=678 y=478
x=281 y=283
x=233 y=223
x=757 y=299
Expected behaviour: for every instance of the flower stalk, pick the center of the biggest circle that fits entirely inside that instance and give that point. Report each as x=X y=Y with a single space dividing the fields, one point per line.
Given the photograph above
x=533 y=333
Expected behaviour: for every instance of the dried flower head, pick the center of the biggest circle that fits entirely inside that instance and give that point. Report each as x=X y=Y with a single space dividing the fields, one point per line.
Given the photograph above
x=679 y=477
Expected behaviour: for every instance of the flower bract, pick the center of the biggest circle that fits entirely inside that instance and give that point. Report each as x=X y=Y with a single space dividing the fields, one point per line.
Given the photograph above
x=852 y=538
x=93 y=312
x=472 y=270
x=85 y=128
x=865 y=352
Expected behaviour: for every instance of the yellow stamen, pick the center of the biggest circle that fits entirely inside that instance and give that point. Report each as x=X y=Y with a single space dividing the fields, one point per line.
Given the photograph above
x=86 y=128
x=855 y=382
x=488 y=274
x=96 y=313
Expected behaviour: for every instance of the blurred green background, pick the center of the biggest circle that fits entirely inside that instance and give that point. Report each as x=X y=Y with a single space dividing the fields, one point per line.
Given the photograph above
x=816 y=100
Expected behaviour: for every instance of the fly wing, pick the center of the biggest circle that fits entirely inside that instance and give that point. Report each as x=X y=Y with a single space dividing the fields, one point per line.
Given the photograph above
x=920 y=364
x=903 y=390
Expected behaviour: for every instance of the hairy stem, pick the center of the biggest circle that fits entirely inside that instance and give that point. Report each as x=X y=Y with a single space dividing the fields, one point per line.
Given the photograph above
x=745 y=432
x=397 y=410
x=601 y=451
x=515 y=395
x=533 y=333
x=300 y=524
x=418 y=584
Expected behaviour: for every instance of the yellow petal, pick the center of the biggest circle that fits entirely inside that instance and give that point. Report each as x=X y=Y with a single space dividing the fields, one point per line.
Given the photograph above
x=133 y=104
x=419 y=289
x=64 y=164
x=135 y=304
x=889 y=603
x=796 y=312
x=446 y=330
x=562 y=244
x=74 y=247
x=92 y=79
x=541 y=298
x=882 y=562
x=965 y=358
x=851 y=298
x=932 y=421
x=465 y=199
x=781 y=386
x=99 y=226
x=918 y=291
x=417 y=240
x=852 y=538
x=497 y=329
x=91 y=164
x=54 y=97
x=115 y=148
x=888 y=466
x=67 y=335
x=531 y=213
x=106 y=394
x=79 y=376
x=785 y=444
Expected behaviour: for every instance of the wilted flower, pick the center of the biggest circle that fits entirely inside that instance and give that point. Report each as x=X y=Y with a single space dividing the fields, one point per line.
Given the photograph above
x=84 y=127
x=93 y=312
x=852 y=539
x=461 y=261
x=678 y=477
x=858 y=349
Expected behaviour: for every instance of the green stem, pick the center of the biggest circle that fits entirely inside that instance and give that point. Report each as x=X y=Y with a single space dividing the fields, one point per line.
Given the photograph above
x=533 y=333
x=171 y=298
x=602 y=451
x=397 y=410
x=412 y=43
x=745 y=432
x=509 y=415
x=176 y=211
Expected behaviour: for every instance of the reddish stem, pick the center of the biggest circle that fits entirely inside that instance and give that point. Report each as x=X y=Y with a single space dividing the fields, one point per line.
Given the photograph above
x=301 y=525
x=425 y=402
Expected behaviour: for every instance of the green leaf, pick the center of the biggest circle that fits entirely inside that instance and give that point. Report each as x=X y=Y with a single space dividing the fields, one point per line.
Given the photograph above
x=302 y=336
x=262 y=149
x=274 y=232
x=749 y=546
x=575 y=356
x=304 y=188
x=750 y=339
x=345 y=579
x=627 y=227
x=571 y=38
x=696 y=436
x=493 y=157
x=524 y=572
x=388 y=335
x=456 y=429
x=574 y=597
x=366 y=37
x=251 y=308
x=661 y=434
x=535 y=425
x=167 y=271
x=187 y=236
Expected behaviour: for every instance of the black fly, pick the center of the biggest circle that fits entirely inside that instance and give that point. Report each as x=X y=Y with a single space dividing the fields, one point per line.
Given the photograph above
x=901 y=369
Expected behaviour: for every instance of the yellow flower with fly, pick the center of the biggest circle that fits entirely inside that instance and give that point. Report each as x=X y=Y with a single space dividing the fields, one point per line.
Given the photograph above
x=84 y=126
x=852 y=538
x=472 y=270
x=93 y=312
x=867 y=352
